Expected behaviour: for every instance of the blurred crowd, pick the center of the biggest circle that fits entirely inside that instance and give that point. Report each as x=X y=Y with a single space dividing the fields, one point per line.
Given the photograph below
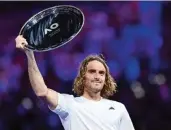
x=128 y=34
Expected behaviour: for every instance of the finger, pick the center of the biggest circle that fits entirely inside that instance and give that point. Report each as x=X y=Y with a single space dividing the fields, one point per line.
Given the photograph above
x=19 y=41
x=22 y=42
x=19 y=37
x=26 y=48
x=19 y=46
x=26 y=42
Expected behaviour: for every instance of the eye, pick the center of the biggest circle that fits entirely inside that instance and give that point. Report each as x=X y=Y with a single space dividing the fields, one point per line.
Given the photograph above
x=92 y=71
x=101 y=72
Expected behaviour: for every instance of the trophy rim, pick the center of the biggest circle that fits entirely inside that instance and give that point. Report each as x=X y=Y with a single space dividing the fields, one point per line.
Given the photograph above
x=72 y=37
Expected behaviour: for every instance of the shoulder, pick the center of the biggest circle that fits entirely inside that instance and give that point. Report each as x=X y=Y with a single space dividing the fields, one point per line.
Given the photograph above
x=63 y=96
x=66 y=95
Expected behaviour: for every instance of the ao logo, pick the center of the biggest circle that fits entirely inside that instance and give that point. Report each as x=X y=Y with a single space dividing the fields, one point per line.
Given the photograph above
x=51 y=28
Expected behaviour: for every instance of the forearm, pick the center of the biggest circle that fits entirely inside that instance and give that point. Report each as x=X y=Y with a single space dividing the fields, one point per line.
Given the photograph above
x=35 y=76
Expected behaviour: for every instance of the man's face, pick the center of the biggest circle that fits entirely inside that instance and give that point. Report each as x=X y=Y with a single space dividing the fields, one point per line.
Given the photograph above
x=94 y=77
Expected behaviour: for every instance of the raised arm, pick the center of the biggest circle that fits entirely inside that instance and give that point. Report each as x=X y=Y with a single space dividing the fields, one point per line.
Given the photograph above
x=37 y=82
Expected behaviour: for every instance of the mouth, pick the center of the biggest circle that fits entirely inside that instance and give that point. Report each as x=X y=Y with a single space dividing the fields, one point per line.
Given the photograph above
x=96 y=82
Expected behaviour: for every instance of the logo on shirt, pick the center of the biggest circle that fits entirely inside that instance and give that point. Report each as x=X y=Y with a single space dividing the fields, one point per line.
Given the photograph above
x=111 y=108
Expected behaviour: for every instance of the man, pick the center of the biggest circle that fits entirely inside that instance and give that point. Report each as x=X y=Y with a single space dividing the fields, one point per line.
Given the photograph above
x=91 y=110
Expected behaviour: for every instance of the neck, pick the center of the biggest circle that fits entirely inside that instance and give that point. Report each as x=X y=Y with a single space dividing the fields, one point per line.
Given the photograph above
x=92 y=96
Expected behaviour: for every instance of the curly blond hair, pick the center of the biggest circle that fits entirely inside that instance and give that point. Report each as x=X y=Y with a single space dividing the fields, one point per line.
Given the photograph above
x=109 y=86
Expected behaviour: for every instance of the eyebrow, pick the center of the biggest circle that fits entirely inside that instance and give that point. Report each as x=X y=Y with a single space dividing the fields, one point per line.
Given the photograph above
x=101 y=71
x=90 y=70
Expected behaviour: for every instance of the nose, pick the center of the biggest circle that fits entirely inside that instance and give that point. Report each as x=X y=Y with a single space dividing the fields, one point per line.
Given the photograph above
x=96 y=76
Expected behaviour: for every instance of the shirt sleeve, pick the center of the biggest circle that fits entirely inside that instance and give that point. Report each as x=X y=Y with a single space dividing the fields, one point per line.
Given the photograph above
x=126 y=123
x=62 y=109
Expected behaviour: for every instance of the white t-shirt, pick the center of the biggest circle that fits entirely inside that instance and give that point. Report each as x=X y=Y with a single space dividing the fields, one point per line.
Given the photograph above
x=79 y=113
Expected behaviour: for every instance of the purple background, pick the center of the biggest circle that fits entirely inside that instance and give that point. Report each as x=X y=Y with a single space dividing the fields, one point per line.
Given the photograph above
x=135 y=39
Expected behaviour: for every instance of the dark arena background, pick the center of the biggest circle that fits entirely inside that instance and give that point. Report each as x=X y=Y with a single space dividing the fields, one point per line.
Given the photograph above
x=134 y=37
